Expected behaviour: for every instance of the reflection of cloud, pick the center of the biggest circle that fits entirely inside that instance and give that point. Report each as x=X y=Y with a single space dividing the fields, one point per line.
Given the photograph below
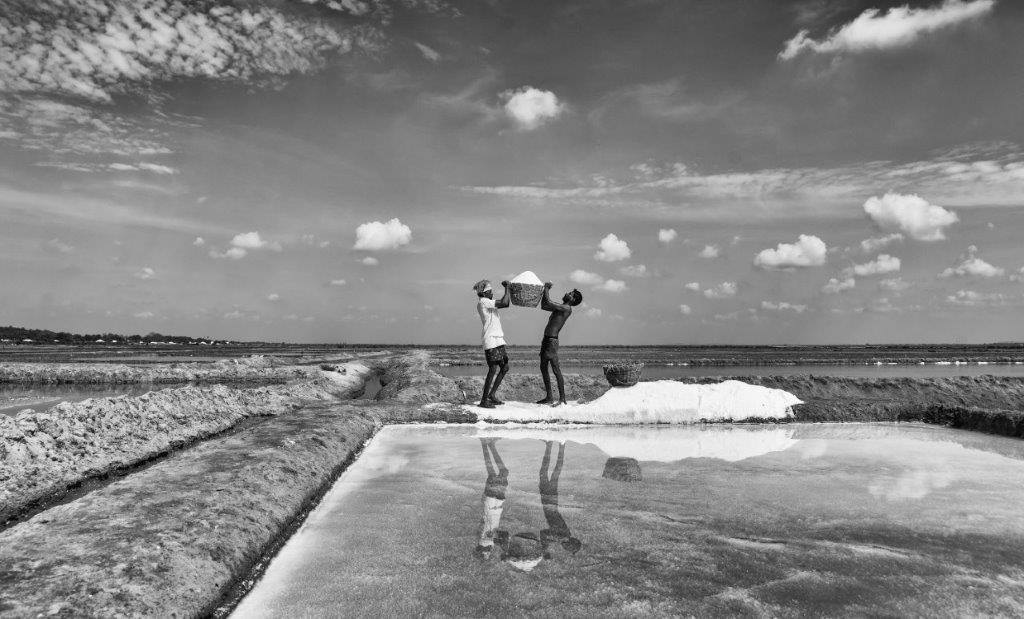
x=653 y=444
x=912 y=484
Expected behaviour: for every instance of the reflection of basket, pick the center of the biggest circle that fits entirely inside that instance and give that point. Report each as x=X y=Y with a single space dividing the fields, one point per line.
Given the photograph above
x=623 y=374
x=525 y=295
x=622 y=469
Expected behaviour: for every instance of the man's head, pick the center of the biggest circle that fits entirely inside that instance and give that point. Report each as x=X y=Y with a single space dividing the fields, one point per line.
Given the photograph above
x=573 y=298
x=483 y=289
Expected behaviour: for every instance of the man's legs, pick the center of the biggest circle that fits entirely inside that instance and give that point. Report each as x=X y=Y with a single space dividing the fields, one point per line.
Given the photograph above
x=484 y=400
x=503 y=368
x=547 y=381
x=561 y=381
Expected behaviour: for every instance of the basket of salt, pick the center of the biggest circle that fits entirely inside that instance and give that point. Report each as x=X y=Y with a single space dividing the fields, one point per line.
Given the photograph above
x=526 y=289
x=623 y=374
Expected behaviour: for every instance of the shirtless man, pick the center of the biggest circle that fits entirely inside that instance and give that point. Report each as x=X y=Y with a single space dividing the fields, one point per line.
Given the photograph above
x=560 y=312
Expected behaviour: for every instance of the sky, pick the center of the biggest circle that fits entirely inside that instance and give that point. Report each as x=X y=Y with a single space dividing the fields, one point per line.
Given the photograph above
x=704 y=171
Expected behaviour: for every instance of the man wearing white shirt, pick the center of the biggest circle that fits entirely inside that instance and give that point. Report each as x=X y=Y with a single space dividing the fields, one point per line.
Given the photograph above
x=493 y=340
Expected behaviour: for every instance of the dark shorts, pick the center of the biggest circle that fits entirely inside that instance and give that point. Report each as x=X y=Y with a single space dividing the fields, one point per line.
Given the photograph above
x=496 y=355
x=549 y=349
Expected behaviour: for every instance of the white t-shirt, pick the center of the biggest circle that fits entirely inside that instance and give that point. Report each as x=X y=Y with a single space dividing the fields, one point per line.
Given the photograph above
x=492 y=336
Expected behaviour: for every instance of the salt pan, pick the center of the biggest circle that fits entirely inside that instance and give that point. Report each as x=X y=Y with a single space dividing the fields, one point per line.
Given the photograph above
x=663 y=401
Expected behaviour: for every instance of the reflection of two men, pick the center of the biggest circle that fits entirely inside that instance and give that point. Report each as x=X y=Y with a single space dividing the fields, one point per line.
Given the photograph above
x=524 y=550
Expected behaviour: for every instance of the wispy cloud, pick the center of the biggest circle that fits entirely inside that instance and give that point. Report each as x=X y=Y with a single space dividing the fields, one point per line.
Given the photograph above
x=897 y=27
x=963 y=178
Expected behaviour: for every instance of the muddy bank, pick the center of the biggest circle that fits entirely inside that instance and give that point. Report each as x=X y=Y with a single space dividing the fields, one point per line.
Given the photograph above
x=180 y=537
x=408 y=379
x=43 y=454
x=891 y=399
x=530 y=387
x=258 y=369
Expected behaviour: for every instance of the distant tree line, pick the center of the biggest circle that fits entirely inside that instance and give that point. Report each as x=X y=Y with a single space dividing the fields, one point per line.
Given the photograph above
x=19 y=335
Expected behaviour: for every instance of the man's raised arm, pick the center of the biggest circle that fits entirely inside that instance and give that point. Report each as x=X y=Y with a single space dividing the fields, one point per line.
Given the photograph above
x=505 y=300
x=547 y=305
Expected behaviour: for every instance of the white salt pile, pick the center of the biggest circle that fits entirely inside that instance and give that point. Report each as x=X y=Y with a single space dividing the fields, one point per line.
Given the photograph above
x=663 y=401
x=527 y=277
x=660 y=444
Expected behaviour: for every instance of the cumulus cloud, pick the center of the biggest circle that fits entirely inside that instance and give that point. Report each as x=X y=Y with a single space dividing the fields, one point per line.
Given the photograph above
x=145 y=273
x=910 y=214
x=199 y=242
x=835 y=286
x=530 y=107
x=722 y=291
x=338 y=282
x=253 y=240
x=60 y=246
x=369 y=261
x=592 y=312
x=972 y=266
x=273 y=296
x=879 y=266
x=973 y=298
x=638 y=270
x=807 y=251
x=611 y=285
x=612 y=249
x=378 y=236
x=870 y=246
x=144 y=315
x=894 y=284
x=897 y=27
x=783 y=306
x=710 y=251
x=596 y=282
x=685 y=309
x=694 y=286
x=585 y=278
x=667 y=235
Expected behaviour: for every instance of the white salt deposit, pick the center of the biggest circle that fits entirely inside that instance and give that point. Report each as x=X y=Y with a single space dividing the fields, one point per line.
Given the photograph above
x=662 y=401
x=527 y=277
x=664 y=444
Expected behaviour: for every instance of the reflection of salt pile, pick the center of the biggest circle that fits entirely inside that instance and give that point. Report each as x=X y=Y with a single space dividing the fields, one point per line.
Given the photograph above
x=663 y=401
x=664 y=444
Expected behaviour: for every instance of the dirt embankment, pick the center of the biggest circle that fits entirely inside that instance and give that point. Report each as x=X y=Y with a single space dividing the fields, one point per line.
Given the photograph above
x=43 y=454
x=256 y=369
x=530 y=387
x=408 y=379
x=173 y=538
x=830 y=398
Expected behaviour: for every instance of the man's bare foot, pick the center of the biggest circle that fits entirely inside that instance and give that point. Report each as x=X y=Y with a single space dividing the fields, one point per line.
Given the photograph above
x=495 y=401
x=559 y=403
x=485 y=404
x=545 y=401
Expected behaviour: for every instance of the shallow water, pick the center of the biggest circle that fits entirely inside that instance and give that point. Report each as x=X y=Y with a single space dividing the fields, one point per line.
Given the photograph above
x=654 y=372
x=15 y=398
x=781 y=520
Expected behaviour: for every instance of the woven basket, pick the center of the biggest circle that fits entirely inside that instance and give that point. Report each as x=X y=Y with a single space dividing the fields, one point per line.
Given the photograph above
x=525 y=295
x=623 y=374
x=622 y=469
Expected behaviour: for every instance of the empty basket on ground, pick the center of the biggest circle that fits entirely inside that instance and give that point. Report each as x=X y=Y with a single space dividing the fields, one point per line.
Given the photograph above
x=525 y=295
x=623 y=374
